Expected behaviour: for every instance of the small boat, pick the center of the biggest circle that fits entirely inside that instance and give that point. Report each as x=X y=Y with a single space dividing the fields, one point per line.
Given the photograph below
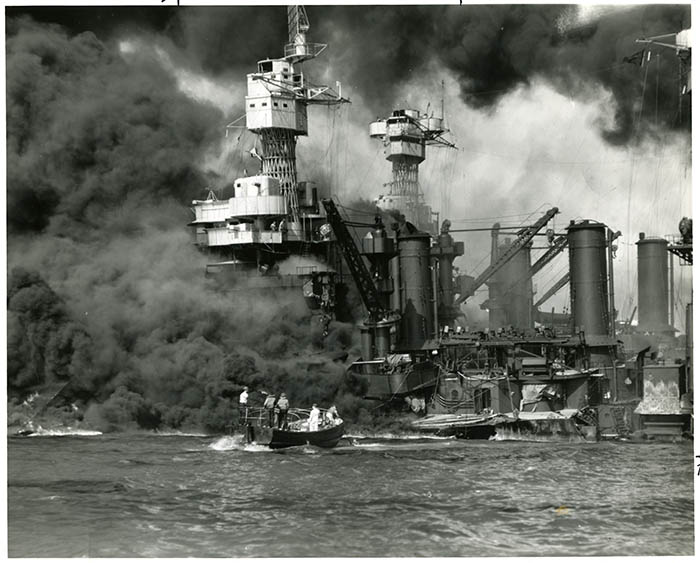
x=257 y=430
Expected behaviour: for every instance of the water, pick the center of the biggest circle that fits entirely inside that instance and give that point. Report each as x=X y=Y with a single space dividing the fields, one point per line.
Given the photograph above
x=169 y=496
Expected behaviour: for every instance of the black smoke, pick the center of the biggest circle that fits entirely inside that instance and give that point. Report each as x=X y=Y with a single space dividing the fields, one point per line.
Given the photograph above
x=107 y=298
x=491 y=49
x=105 y=290
x=93 y=140
x=44 y=343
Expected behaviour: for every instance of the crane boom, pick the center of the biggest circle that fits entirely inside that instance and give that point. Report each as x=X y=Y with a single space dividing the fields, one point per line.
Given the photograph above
x=368 y=291
x=681 y=40
x=559 y=244
x=525 y=235
x=552 y=290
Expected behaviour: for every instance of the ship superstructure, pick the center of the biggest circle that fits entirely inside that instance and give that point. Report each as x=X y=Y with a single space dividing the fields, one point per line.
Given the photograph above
x=530 y=371
x=405 y=135
x=273 y=215
x=514 y=380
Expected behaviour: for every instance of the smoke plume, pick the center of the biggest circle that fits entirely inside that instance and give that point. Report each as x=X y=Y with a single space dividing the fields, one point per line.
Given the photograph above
x=106 y=291
x=112 y=129
x=493 y=49
x=490 y=49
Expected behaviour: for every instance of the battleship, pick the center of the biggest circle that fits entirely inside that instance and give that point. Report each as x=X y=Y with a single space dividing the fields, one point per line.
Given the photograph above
x=518 y=266
x=582 y=375
x=273 y=216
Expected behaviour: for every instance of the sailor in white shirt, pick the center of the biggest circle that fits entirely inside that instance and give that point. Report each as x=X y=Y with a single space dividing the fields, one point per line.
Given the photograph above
x=243 y=405
x=313 y=418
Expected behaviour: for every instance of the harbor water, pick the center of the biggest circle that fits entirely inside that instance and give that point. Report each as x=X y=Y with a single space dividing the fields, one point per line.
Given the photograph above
x=132 y=495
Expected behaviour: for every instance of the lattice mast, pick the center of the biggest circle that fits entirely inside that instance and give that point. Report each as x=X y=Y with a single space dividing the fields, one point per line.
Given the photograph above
x=405 y=135
x=276 y=106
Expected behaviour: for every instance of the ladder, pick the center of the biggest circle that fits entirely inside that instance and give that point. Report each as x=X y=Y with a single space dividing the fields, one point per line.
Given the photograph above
x=306 y=248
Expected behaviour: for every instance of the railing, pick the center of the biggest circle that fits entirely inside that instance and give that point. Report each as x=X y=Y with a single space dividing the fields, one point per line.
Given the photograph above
x=222 y=236
x=304 y=50
x=296 y=418
x=682 y=249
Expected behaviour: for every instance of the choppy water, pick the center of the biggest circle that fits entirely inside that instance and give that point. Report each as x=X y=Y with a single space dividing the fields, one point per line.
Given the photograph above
x=168 y=496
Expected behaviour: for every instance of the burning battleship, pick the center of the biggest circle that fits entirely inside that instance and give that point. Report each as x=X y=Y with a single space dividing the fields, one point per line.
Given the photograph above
x=563 y=379
x=580 y=376
x=577 y=376
x=273 y=215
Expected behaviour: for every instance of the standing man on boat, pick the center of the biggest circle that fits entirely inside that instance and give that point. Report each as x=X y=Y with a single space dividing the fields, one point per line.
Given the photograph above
x=269 y=406
x=283 y=406
x=243 y=405
x=313 y=418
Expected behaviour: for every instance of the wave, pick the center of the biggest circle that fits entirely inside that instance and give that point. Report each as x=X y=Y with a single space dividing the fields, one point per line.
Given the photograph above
x=390 y=436
x=237 y=443
x=67 y=431
x=507 y=435
x=182 y=434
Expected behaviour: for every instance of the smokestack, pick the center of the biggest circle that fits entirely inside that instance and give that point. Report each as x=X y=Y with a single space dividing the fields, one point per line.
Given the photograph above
x=417 y=317
x=379 y=250
x=652 y=276
x=494 y=242
x=589 y=278
x=517 y=289
x=445 y=250
x=497 y=314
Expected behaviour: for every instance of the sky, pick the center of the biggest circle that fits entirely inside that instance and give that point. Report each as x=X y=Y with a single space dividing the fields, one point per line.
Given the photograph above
x=116 y=120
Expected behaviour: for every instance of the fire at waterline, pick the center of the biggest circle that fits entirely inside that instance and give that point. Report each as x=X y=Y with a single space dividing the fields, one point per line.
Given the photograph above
x=577 y=376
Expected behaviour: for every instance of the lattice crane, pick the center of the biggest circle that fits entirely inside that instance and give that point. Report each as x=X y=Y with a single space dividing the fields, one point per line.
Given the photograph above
x=368 y=291
x=523 y=238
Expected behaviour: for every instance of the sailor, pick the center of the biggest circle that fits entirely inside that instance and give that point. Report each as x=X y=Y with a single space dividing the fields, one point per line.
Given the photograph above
x=313 y=418
x=243 y=405
x=269 y=406
x=331 y=415
x=283 y=407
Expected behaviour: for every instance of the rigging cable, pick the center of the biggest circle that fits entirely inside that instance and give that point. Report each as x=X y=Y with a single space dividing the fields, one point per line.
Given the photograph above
x=632 y=174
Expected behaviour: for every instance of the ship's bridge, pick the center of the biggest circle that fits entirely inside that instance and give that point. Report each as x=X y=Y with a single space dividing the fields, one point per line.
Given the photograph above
x=279 y=72
x=276 y=98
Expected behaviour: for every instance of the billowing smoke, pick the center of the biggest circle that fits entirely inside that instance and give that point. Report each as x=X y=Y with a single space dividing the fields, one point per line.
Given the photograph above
x=108 y=305
x=229 y=40
x=43 y=342
x=490 y=49
x=94 y=143
x=540 y=102
x=493 y=49
x=110 y=138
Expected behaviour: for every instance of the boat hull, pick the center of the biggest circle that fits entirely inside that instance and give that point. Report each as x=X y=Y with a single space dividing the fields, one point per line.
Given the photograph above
x=276 y=439
x=325 y=438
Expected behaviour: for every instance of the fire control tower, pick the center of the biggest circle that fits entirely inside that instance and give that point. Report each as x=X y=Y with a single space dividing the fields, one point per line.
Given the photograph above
x=273 y=216
x=276 y=106
x=405 y=135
